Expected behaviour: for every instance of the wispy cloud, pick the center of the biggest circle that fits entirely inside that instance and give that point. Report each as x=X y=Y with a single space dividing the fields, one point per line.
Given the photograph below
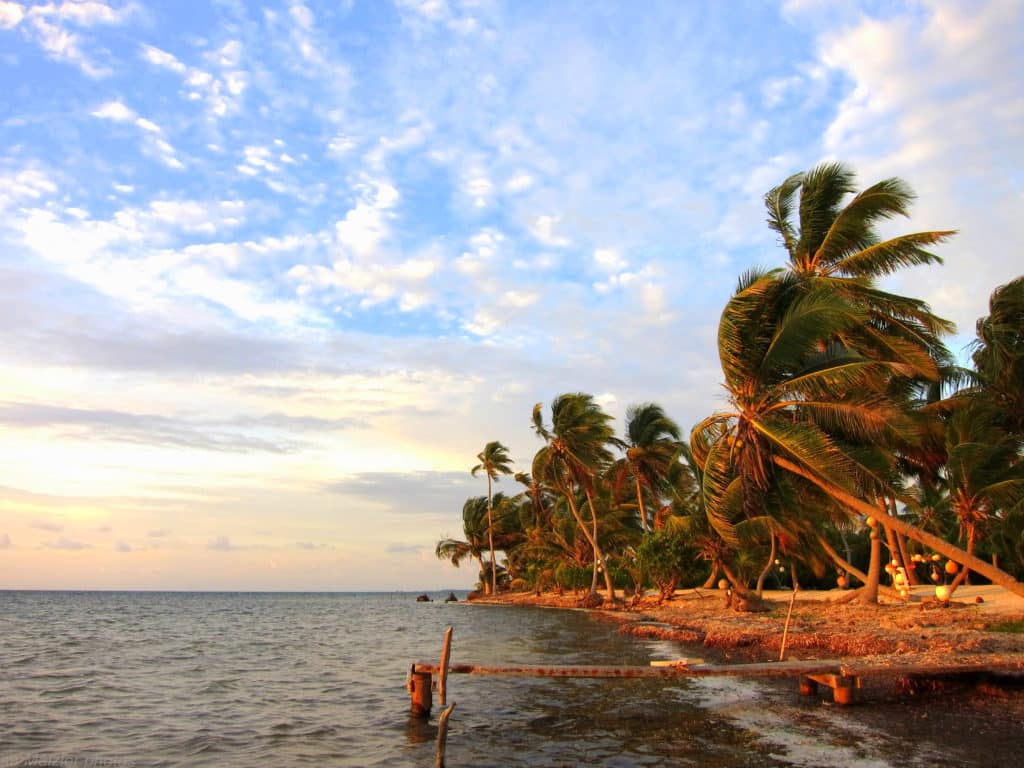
x=311 y=255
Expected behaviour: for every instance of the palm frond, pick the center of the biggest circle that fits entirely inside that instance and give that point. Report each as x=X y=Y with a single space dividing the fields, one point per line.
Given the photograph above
x=821 y=191
x=852 y=230
x=779 y=203
x=892 y=255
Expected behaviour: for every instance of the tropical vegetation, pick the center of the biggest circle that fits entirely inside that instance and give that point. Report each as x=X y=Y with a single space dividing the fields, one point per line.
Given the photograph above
x=850 y=437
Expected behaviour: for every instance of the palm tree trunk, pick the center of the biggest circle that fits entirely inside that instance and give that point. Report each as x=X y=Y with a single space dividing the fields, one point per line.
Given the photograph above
x=901 y=543
x=590 y=537
x=738 y=586
x=870 y=592
x=483 y=575
x=852 y=570
x=962 y=577
x=598 y=554
x=767 y=567
x=859 y=506
x=710 y=581
x=490 y=539
x=640 y=505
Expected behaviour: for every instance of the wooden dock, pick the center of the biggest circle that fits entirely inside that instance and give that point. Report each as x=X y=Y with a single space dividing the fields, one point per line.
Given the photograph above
x=843 y=676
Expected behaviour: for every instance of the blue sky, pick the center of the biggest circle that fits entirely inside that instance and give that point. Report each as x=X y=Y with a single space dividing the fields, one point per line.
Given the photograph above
x=273 y=273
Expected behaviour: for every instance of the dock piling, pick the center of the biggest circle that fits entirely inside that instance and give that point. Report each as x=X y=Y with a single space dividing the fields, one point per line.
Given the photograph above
x=442 y=674
x=420 y=685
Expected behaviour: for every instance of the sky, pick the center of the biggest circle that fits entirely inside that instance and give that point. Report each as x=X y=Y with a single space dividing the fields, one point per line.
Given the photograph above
x=273 y=273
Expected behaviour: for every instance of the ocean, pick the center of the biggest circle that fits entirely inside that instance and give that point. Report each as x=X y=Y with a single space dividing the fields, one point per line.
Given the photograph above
x=133 y=679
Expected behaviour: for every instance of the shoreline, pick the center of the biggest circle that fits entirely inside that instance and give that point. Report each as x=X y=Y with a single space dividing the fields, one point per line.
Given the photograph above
x=891 y=634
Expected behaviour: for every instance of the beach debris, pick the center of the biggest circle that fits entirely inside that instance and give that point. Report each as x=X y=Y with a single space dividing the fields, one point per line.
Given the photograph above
x=442 y=735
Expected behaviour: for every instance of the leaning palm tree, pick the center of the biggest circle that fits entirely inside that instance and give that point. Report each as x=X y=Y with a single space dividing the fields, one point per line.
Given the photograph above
x=651 y=444
x=575 y=453
x=805 y=404
x=494 y=461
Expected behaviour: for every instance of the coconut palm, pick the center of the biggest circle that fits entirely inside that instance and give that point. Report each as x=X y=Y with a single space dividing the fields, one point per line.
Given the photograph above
x=998 y=353
x=651 y=445
x=834 y=243
x=983 y=472
x=494 y=461
x=575 y=453
x=475 y=529
x=805 y=404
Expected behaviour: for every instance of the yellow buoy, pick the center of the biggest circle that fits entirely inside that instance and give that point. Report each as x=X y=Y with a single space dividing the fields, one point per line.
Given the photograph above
x=942 y=593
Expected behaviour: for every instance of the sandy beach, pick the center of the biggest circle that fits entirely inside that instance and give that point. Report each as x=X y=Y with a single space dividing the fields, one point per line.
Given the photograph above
x=893 y=633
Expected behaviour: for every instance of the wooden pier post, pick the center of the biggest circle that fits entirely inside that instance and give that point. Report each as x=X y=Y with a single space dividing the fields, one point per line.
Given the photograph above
x=420 y=687
x=442 y=674
x=442 y=734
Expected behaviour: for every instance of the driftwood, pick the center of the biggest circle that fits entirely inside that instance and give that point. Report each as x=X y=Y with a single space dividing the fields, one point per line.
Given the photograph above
x=442 y=735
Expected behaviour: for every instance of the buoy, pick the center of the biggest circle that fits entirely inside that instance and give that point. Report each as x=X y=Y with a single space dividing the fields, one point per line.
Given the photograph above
x=870 y=522
x=942 y=593
x=723 y=583
x=951 y=567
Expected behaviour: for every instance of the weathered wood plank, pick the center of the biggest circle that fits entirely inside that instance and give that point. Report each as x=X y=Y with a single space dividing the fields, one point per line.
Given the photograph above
x=844 y=667
x=768 y=669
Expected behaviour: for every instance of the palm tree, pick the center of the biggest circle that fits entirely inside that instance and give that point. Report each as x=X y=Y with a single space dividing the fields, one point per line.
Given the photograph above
x=494 y=461
x=834 y=243
x=575 y=453
x=804 y=404
x=474 y=515
x=998 y=353
x=983 y=471
x=651 y=447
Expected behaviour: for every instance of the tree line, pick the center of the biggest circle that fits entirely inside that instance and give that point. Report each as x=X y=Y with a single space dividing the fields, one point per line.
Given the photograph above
x=851 y=437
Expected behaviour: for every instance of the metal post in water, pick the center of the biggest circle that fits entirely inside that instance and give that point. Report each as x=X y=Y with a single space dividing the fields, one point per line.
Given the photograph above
x=419 y=686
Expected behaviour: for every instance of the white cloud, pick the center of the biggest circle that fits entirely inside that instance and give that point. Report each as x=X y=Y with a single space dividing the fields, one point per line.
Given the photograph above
x=47 y=25
x=478 y=187
x=543 y=228
x=163 y=59
x=221 y=92
x=366 y=225
x=520 y=182
x=484 y=246
x=609 y=260
x=114 y=110
x=11 y=14
x=927 y=90
x=26 y=185
x=302 y=15
x=519 y=299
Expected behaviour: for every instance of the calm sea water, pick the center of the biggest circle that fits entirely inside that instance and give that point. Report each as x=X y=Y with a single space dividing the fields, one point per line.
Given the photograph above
x=206 y=679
